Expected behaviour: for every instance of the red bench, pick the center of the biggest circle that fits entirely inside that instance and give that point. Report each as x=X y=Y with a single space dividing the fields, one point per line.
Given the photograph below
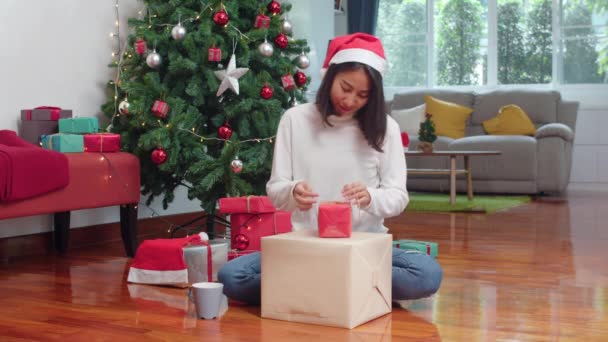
x=96 y=180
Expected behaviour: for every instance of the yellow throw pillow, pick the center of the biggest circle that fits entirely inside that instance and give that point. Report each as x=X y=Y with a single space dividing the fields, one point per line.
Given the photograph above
x=450 y=118
x=511 y=120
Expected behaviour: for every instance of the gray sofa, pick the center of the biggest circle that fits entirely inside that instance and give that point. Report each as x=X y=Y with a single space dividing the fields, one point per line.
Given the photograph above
x=527 y=165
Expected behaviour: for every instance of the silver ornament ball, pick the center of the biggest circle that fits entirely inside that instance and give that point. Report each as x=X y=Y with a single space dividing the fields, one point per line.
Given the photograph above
x=153 y=60
x=236 y=165
x=303 y=61
x=286 y=26
x=266 y=49
x=178 y=32
x=123 y=107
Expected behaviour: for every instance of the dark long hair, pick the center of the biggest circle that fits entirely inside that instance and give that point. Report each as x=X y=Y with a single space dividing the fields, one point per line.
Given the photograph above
x=371 y=117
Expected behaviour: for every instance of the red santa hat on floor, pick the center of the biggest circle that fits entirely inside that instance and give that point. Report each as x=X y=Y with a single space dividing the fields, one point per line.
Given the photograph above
x=161 y=261
x=357 y=47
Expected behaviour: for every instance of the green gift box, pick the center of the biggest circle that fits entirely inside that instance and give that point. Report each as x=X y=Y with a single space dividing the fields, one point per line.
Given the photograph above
x=62 y=142
x=79 y=125
x=425 y=247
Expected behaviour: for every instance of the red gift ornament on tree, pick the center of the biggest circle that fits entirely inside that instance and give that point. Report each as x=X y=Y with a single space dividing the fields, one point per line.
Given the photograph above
x=405 y=139
x=221 y=18
x=240 y=242
x=274 y=7
x=224 y=132
x=262 y=21
x=159 y=156
x=160 y=109
x=140 y=47
x=300 y=78
x=288 y=82
x=266 y=92
x=281 y=41
x=214 y=54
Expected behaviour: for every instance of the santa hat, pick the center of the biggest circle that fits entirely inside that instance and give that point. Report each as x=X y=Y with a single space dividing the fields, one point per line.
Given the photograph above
x=161 y=261
x=357 y=47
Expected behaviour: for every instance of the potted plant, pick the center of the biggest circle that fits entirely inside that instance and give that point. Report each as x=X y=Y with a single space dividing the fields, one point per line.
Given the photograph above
x=426 y=134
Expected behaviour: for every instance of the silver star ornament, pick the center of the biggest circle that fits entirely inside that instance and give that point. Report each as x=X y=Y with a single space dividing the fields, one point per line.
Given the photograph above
x=230 y=77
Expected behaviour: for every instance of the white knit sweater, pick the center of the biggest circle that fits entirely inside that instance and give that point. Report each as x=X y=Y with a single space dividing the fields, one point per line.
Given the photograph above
x=307 y=149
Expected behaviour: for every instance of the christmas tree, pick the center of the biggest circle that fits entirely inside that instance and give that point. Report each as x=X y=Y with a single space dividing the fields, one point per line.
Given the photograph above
x=427 y=129
x=199 y=93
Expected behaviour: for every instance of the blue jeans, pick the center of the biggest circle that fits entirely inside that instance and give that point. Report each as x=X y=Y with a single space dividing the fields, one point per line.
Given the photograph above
x=415 y=275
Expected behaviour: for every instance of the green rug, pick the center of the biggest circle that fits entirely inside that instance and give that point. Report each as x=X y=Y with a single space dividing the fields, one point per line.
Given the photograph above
x=480 y=203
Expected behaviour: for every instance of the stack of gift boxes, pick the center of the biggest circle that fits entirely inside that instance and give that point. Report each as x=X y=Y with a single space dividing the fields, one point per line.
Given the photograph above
x=41 y=124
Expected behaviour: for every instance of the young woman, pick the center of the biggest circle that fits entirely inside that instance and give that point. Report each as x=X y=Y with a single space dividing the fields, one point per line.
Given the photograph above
x=342 y=147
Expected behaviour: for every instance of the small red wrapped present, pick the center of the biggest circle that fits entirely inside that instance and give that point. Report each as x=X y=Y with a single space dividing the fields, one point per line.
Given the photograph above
x=233 y=254
x=262 y=21
x=246 y=205
x=160 y=109
x=215 y=54
x=45 y=113
x=140 y=46
x=102 y=142
x=288 y=82
x=405 y=139
x=335 y=220
x=247 y=230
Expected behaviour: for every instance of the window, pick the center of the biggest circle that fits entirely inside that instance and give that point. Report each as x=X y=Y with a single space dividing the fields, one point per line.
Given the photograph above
x=478 y=42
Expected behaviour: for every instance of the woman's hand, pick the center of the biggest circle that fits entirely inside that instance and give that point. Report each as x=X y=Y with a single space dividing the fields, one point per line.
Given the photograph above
x=357 y=192
x=304 y=196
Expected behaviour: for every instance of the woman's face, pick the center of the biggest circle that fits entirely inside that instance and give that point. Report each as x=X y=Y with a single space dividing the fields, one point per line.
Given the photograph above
x=350 y=92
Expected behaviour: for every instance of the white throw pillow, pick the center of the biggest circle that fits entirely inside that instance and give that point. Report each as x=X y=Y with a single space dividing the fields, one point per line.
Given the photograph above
x=409 y=119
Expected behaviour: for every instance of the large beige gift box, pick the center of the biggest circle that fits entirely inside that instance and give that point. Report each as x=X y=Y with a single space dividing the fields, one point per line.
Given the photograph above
x=342 y=282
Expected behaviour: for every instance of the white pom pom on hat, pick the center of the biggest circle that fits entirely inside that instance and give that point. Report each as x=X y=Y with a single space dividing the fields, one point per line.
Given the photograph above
x=357 y=47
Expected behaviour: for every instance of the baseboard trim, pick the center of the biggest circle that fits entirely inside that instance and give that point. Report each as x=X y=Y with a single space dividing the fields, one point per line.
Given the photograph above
x=42 y=243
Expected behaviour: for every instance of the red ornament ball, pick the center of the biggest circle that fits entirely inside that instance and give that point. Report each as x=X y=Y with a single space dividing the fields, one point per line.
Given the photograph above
x=240 y=242
x=224 y=132
x=221 y=18
x=300 y=78
x=266 y=92
x=281 y=41
x=274 y=7
x=159 y=156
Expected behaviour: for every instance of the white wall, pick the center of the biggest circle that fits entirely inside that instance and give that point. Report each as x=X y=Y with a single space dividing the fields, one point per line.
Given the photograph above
x=57 y=52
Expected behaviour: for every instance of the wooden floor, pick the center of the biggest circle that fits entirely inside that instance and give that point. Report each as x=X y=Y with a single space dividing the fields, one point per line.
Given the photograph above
x=534 y=273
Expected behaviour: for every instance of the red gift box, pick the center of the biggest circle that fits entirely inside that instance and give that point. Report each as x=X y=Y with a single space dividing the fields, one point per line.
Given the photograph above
x=335 y=220
x=45 y=113
x=215 y=54
x=102 y=142
x=249 y=229
x=140 y=46
x=246 y=204
x=288 y=82
x=262 y=21
x=160 y=109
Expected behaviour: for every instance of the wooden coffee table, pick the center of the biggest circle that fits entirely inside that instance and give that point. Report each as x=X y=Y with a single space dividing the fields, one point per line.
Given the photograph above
x=452 y=171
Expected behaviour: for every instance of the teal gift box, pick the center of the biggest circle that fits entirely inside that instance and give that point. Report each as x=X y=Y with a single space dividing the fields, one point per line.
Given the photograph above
x=62 y=142
x=79 y=125
x=425 y=247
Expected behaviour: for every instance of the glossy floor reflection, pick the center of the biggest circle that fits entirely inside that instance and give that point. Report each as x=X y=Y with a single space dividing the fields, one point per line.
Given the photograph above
x=534 y=273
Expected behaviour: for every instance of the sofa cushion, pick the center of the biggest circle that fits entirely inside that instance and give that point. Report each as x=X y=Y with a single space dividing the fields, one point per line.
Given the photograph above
x=450 y=118
x=409 y=119
x=541 y=106
x=517 y=160
x=416 y=97
x=511 y=120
